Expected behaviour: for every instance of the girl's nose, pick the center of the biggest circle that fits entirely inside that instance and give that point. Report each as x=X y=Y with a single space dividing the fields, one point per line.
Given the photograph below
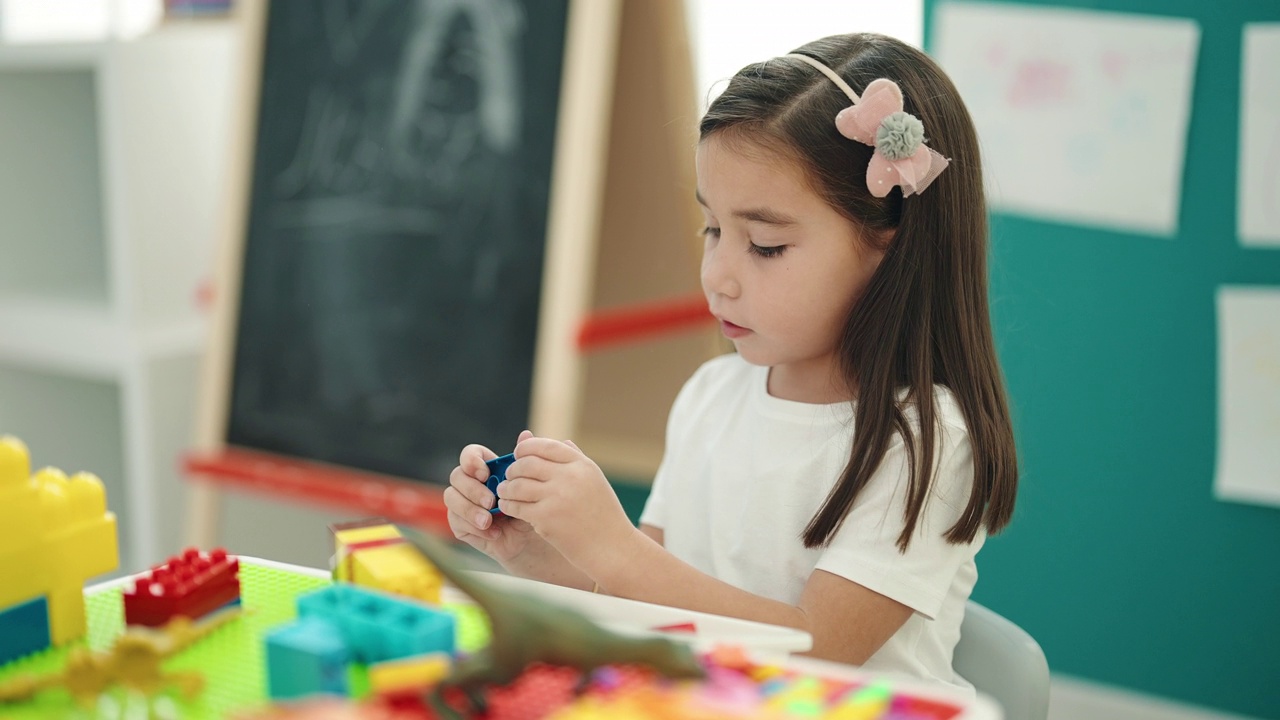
x=718 y=276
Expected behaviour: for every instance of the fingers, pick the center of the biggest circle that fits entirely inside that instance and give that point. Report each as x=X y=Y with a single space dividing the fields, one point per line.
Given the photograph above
x=470 y=500
x=521 y=490
x=465 y=531
x=533 y=467
x=524 y=435
x=472 y=459
x=548 y=449
x=517 y=509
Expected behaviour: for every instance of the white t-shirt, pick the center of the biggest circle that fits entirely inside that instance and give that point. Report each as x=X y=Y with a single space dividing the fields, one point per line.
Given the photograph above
x=744 y=472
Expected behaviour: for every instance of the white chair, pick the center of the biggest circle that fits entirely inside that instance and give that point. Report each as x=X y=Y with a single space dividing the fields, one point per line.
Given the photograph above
x=1003 y=661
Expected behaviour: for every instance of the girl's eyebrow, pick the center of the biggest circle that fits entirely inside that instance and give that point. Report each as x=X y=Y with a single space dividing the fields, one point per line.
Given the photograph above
x=760 y=215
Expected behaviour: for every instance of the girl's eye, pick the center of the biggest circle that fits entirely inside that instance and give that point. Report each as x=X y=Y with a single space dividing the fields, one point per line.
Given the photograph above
x=709 y=231
x=766 y=251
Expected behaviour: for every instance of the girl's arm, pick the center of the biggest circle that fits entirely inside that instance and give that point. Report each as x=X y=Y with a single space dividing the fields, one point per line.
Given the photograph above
x=848 y=622
x=541 y=561
x=567 y=500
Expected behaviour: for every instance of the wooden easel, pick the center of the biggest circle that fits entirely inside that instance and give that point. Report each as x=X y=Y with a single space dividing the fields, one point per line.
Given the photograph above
x=621 y=230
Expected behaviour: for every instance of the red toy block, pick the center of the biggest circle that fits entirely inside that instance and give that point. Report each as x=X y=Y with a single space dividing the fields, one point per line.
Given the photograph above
x=193 y=584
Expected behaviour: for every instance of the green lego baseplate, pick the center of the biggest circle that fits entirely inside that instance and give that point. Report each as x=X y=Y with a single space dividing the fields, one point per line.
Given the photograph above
x=232 y=658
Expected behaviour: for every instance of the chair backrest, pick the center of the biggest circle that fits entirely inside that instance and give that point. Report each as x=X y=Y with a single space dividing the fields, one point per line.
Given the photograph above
x=1003 y=661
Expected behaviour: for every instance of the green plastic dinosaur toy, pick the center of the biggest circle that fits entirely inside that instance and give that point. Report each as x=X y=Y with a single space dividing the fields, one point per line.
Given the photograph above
x=527 y=630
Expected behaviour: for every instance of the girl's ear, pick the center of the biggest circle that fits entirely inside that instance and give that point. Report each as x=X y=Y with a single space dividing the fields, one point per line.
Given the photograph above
x=884 y=238
x=876 y=243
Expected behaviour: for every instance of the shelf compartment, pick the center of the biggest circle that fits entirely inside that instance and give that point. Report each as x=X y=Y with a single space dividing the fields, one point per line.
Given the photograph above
x=53 y=238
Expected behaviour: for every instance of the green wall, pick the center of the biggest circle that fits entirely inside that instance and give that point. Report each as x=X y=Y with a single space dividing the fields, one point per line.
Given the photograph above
x=1120 y=561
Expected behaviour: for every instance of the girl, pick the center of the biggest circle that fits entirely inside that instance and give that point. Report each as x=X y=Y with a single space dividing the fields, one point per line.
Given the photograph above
x=841 y=470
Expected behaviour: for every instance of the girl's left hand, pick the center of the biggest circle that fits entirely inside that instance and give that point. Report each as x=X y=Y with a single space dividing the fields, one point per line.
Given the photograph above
x=565 y=496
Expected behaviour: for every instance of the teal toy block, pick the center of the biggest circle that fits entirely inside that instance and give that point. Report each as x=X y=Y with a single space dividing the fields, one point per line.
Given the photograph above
x=306 y=657
x=24 y=629
x=378 y=626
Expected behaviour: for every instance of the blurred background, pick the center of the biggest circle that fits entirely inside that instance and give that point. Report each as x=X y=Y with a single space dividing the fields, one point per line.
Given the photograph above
x=373 y=231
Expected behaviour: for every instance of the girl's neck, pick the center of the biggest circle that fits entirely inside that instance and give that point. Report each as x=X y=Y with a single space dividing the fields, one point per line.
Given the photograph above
x=813 y=382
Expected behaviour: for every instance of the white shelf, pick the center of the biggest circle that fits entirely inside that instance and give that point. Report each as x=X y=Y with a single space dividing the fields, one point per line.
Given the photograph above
x=86 y=340
x=77 y=55
x=51 y=193
x=66 y=337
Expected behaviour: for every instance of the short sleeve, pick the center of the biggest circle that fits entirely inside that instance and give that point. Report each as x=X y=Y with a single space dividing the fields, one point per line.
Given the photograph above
x=864 y=549
x=654 y=512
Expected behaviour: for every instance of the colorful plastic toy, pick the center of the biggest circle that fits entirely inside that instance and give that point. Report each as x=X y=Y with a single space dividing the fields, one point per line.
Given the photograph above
x=55 y=533
x=410 y=675
x=24 y=628
x=528 y=631
x=377 y=626
x=134 y=661
x=192 y=585
x=307 y=657
x=373 y=554
x=346 y=623
x=497 y=473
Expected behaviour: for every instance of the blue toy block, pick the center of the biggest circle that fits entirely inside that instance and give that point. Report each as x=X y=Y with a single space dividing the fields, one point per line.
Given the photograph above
x=24 y=629
x=378 y=626
x=305 y=658
x=497 y=473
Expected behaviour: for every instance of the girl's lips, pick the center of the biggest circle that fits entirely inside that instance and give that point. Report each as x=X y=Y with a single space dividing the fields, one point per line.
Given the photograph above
x=732 y=331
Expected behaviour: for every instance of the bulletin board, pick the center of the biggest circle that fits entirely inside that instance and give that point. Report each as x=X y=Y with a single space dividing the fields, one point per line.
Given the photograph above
x=1121 y=560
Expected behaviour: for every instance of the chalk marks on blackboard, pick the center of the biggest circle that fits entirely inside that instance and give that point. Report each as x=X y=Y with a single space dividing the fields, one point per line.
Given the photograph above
x=496 y=25
x=453 y=93
x=393 y=260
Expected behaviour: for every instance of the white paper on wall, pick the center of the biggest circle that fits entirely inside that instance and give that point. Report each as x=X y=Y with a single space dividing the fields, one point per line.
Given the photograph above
x=1258 y=192
x=1082 y=115
x=1248 y=394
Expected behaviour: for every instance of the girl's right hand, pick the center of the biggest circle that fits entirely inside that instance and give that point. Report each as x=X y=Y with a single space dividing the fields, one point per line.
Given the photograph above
x=468 y=502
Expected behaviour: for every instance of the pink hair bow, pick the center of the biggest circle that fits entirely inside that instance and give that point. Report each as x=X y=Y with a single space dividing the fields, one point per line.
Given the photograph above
x=901 y=157
x=877 y=119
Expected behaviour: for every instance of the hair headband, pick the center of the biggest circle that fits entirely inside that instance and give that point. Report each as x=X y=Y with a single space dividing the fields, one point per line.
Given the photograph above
x=876 y=119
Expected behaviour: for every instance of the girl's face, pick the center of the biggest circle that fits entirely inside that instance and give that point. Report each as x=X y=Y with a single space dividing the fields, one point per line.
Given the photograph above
x=780 y=268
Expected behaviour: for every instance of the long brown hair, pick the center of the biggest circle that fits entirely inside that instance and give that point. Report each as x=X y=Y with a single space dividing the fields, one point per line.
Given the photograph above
x=923 y=318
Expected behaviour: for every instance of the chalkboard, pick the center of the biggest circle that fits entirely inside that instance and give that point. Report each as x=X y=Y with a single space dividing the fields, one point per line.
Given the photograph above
x=396 y=228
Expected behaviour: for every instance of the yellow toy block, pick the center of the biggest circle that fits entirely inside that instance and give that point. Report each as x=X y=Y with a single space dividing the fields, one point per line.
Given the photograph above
x=410 y=674
x=375 y=555
x=22 y=526
x=87 y=545
x=346 y=539
x=356 y=535
x=398 y=569
x=83 y=550
x=55 y=533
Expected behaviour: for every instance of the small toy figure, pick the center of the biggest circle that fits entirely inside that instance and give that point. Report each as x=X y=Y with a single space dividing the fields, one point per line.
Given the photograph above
x=528 y=631
x=133 y=662
x=497 y=473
